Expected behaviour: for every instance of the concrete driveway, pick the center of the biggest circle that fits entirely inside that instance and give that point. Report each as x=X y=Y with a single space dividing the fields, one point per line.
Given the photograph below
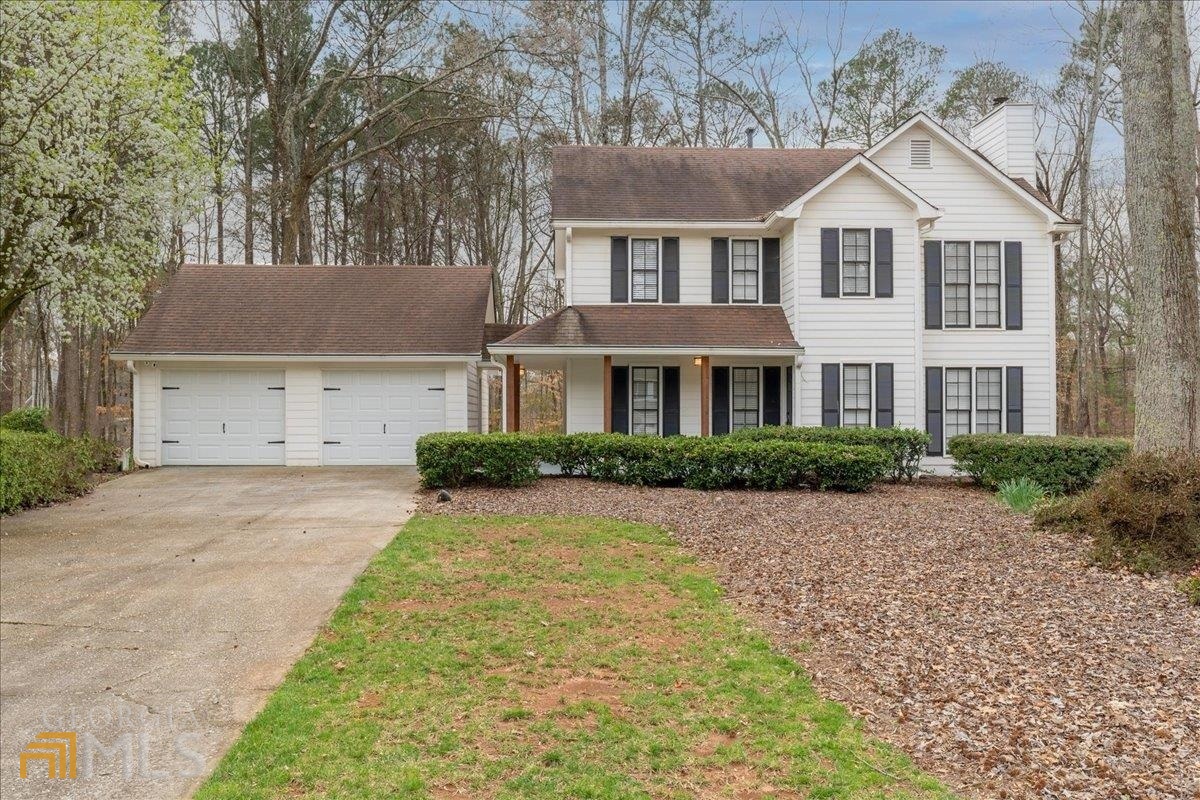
x=154 y=616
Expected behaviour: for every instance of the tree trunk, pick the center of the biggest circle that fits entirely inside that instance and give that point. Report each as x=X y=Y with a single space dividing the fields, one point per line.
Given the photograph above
x=248 y=185
x=1160 y=173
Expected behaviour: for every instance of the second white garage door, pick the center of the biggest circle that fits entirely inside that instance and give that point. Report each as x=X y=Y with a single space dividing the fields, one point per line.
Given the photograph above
x=376 y=416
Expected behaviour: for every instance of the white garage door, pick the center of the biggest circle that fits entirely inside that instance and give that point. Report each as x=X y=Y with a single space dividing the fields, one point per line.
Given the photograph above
x=376 y=416
x=222 y=417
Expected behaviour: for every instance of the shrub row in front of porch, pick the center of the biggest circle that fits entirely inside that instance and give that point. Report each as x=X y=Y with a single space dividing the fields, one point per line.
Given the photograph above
x=514 y=459
x=905 y=446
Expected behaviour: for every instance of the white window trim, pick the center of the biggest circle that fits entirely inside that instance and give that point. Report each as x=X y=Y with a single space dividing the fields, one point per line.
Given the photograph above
x=870 y=295
x=629 y=270
x=659 y=383
x=973 y=304
x=759 y=282
x=975 y=400
x=870 y=365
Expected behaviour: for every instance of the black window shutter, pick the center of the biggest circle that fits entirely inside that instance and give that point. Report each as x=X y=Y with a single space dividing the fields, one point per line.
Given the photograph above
x=790 y=401
x=1015 y=379
x=831 y=380
x=720 y=400
x=720 y=270
x=670 y=389
x=620 y=399
x=1012 y=286
x=933 y=285
x=883 y=262
x=772 y=383
x=619 y=269
x=884 y=396
x=829 y=262
x=770 y=271
x=670 y=269
x=933 y=410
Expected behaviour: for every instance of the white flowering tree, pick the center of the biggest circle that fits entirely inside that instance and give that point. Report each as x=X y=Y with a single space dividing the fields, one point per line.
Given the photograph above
x=98 y=154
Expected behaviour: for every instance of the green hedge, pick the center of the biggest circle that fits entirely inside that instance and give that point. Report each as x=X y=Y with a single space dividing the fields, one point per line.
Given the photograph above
x=513 y=459
x=1059 y=464
x=905 y=446
x=32 y=419
x=38 y=468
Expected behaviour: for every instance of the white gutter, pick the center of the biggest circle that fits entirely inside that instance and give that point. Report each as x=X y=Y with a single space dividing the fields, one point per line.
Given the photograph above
x=603 y=350
x=298 y=357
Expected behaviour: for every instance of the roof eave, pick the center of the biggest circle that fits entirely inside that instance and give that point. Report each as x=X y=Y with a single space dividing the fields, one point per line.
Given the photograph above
x=676 y=350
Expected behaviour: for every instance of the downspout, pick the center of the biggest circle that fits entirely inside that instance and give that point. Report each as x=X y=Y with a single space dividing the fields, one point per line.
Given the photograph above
x=137 y=386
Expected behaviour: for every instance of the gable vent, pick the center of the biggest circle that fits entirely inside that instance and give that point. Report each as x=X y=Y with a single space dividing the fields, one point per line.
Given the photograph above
x=920 y=153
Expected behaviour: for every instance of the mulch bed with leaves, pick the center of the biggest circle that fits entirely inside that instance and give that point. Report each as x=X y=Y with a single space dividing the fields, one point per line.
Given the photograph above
x=990 y=652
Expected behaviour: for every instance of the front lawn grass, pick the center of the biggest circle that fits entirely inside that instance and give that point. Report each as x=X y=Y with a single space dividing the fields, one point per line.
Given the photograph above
x=549 y=657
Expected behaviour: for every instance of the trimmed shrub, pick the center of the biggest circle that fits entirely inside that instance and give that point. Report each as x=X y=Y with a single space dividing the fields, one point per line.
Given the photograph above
x=1190 y=586
x=38 y=468
x=905 y=446
x=1021 y=494
x=1059 y=464
x=454 y=459
x=31 y=419
x=1143 y=514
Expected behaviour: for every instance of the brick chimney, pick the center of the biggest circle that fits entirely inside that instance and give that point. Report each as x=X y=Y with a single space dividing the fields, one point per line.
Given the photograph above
x=1006 y=137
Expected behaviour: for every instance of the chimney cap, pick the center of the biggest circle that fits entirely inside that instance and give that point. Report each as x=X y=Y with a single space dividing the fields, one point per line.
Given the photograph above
x=750 y=136
x=999 y=101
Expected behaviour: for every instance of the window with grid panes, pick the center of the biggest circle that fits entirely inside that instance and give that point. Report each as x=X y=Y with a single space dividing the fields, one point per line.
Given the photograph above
x=987 y=284
x=856 y=396
x=958 y=402
x=988 y=399
x=644 y=264
x=957 y=266
x=745 y=397
x=856 y=262
x=645 y=400
x=745 y=270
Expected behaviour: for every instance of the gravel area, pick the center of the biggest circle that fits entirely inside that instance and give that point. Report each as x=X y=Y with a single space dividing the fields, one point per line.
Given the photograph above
x=991 y=653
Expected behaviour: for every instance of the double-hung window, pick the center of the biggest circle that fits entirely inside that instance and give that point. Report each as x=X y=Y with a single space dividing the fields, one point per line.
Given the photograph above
x=958 y=284
x=744 y=253
x=987 y=284
x=988 y=399
x=856 y=262
x=645 y=400
x=856 y=396
x=745 y=397
x=643 y=257
x=958 y=402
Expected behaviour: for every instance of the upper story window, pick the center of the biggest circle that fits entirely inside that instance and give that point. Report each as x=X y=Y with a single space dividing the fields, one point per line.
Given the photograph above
x=643 y=257
x=856 y=262
x=987 y=284
x=957 y=257
x=920 y=153
x=744 y=273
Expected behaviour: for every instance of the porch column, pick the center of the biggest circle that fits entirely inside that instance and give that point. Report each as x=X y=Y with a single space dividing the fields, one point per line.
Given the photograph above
x=513 y=392
x=608 y=394
x=705 y=396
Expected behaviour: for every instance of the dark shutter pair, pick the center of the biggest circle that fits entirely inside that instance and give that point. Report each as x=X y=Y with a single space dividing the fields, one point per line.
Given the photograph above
x=770 y=270
x=619 y=269
x=831 y=267
x=1014 y=422
x=670 y=400
x=1012 y=285
x=831 y=395
x=772 y=387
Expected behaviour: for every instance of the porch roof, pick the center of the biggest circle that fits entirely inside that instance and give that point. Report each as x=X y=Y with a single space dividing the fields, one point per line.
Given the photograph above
x=693 y=329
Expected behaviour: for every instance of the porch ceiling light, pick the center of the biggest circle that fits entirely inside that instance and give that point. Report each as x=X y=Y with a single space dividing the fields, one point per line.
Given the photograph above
x=697 y=361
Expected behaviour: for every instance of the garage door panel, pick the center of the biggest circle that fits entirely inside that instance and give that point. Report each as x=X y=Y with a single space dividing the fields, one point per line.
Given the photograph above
x=223 y=417
x=370 y=402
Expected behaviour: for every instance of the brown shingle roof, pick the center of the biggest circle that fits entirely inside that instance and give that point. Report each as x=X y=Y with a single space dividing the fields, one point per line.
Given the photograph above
x=684 y=183
x=497 y=331
x=705 y=327
x=316 y=310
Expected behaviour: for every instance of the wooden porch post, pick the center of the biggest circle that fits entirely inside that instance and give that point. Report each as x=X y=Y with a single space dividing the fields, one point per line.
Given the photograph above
x=608 y=394
x=705 y=396
x=513 y=394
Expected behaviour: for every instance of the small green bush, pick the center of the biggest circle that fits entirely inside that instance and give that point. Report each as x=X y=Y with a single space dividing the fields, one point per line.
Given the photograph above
x=1190 y=586
x=905 y=446
x=31 y=419
x=1059 y=464
x=454 y=459
x=38 y=468
x=1021 y=494
x=1143 y=514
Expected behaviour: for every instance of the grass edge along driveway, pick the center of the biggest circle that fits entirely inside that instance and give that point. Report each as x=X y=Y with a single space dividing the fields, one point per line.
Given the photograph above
x=549 y=657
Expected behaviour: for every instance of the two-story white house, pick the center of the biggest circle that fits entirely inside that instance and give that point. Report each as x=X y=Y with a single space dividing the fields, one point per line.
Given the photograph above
x=911 y=284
